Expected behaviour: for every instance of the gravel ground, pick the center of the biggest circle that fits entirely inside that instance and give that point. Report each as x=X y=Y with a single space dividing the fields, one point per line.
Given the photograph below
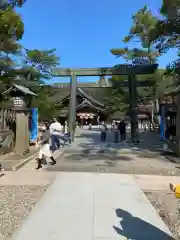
x=16 y=202
x=168 y=208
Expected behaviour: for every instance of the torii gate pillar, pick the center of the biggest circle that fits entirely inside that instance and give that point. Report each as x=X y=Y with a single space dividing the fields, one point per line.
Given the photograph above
x=132 y=106
x=72 y=106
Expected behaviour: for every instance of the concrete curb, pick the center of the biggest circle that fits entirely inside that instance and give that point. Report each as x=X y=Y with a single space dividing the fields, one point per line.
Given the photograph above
x=24 y=161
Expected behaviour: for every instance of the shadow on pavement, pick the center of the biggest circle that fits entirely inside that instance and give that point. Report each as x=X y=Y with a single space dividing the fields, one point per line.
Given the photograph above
x=94 y=157
x=88 y=154
x=90 y=147
x=149 y=146
x=138 y=229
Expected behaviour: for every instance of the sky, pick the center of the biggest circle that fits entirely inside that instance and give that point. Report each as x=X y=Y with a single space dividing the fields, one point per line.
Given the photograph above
x=83 y=32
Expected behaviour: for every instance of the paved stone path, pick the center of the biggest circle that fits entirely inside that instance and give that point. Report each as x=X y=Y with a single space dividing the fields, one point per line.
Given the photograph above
x=88 y=154
x=91 y=206
x=94 y=206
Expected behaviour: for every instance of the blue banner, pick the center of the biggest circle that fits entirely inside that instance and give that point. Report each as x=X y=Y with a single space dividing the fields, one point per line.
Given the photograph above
x=34 y=124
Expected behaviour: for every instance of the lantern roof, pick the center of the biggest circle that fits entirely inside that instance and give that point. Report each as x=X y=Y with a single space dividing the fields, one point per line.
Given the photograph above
x=20 y=88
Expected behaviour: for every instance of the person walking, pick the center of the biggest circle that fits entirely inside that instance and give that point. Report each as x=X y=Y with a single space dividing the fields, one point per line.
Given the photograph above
x=56 y=131
x=44 y=152
x=122 y=130
x=103 y=129
x=66 y=137
x=90 y=126
x=66 y=128
x=116 y=132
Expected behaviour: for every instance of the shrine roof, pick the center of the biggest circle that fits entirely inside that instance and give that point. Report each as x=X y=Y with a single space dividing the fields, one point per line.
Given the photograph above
x=87 y=103
x=84 y=94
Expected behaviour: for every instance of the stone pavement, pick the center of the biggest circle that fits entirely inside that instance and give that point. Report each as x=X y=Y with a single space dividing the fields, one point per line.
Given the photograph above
x=91 y=206
x=93 y=198
x=88 y=154
x=149 y=141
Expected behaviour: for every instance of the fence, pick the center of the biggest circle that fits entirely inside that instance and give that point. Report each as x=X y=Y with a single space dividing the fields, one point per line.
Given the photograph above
x=7 y=130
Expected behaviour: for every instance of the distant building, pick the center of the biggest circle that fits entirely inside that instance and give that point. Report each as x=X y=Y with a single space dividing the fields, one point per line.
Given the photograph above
x=90 y=102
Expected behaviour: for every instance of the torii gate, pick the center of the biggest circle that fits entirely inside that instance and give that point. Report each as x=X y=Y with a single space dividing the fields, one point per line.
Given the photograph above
x=124 y=69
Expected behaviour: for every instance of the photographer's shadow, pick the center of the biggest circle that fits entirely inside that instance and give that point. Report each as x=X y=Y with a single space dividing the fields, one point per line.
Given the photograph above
x=137 y=229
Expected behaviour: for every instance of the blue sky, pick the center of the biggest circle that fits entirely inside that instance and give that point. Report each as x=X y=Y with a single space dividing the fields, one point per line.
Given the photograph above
x=83 y=32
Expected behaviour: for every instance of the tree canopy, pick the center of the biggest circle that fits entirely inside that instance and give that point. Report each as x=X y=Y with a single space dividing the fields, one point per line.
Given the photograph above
x=155 y=36
x=28 y=67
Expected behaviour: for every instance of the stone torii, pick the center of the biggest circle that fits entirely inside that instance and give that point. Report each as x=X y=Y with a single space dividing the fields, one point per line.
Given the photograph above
x=130 y=70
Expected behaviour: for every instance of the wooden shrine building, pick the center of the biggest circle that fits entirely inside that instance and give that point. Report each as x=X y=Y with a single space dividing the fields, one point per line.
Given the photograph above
x=90 y=103
x=88 y=109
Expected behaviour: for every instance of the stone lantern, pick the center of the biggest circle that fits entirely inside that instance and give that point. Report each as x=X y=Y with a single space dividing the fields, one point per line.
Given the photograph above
x=20 y=100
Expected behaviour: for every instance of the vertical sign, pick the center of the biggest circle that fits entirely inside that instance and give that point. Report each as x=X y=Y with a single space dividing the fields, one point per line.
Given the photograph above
x=34 y=125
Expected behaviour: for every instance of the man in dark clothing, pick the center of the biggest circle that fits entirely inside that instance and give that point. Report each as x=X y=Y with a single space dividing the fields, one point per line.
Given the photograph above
x=122 y=129
x=170 y=132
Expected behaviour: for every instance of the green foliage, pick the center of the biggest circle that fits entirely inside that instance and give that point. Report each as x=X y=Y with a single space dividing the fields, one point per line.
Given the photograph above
x=35 y=64
x=146 y=31
x=117 y=99
x=44 y=103
x=42 y=61
x=38 y=67
x=166 y=34
x=4 y=4
x=143 y=24
x=135 y=53
x=11 y=30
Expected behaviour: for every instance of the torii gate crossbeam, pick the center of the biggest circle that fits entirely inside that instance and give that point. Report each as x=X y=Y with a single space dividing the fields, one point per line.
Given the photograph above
x=124 y=69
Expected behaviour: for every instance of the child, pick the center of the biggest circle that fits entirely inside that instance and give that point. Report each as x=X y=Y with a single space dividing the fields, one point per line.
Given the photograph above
x=45 y=152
